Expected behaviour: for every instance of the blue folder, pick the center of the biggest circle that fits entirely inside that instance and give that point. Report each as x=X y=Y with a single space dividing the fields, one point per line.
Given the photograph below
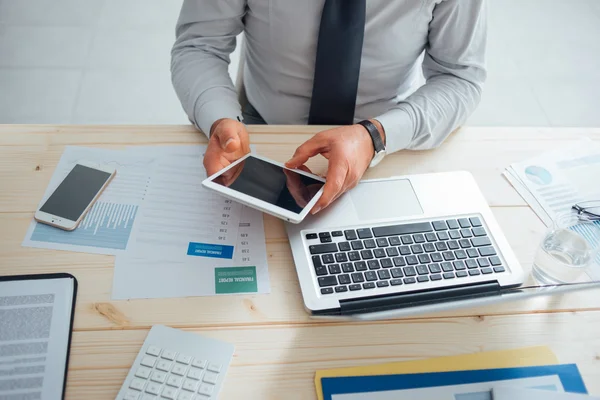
x=568 y=375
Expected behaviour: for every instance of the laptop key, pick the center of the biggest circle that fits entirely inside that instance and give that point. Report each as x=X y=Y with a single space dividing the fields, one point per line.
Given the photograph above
x=459 y=265
x=360 y=266
x=430 y=237
x=408 y=281
x=373 y=264
x=460 y=254
x=341 y=257
x=405 y=229
x=487 y=251
x=423 y=278
x=321 y=270
x=358 y=277
x=461 y=274
x=499 y=269
x=327 y=290
x=327 y=281
x=437 y=257
x=396 y=282
x=369 y=285
x=429 y=247
x=386 y=263
x=407 y=240
x=464 y=223
x=383 y=274
x=392 y=251
x=404 y=250
x=471 y=263
x=479 y=231
x=441 y=246
x=353 y=256
x=443 y=235
x=411 y=260
x=399 y=262
x=323 y=248
x=379 y=253
x=383 y=284
x=466 y=233
x=439 y=225
x=424 y=259
x=495 y=260
x=473 y=253
x=435 y=277
x=464 y=243
x=454 y=234
x=448 y=275
x=355 y=287
x=452 y=224
x=448 y=256
x=397 y=272
x=483 y=262
x=435 y=268
x=357 y=245
x=453 y=245
x=422 y=270
x=344 y=279
x=474 y=272
x=370 y=276
x=310 y=236
x=369 y=244
x=347 y=267
x=340 y=289
x=337 y=233
x=395 y=241
x=486 y=271
x=475 y=221
x=416 y=249
x=409 y=271
x=344 y=246
x=364 y=233
x=419 y=238
x=481 y=241
x=334 y=269
x=326 y=239
x=382 y=242
x=366 y=254
x=350 y=234
x=327 y=258
x=447 y=267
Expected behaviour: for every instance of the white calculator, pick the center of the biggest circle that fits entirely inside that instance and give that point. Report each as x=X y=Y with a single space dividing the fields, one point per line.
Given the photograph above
x=177 y=365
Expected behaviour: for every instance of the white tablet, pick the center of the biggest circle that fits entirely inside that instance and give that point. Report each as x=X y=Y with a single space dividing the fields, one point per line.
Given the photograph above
x=268 y=186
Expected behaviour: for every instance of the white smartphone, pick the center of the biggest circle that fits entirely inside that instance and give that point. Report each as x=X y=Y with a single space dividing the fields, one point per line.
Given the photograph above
x=268 y=186
x=71 y=200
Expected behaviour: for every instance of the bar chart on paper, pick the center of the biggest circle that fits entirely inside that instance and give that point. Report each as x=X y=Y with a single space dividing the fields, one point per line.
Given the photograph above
x=107 y=225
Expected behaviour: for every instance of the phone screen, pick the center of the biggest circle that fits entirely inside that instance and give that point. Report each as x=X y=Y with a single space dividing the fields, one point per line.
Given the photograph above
x=271 y=183
x=75 y=192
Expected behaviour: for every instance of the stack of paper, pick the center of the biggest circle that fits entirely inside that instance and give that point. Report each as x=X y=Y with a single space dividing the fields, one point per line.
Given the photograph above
x=553 y=182
x=172 y=237
x=468 y=377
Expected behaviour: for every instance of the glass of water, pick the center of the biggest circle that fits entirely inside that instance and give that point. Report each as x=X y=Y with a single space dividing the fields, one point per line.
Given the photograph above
x=568 y=250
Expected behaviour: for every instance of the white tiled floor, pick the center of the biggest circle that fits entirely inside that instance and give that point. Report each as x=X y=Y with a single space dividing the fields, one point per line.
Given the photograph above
x=107 y=61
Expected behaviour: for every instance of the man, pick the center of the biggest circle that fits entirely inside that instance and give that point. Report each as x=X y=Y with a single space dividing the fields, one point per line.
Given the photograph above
x=331 y=62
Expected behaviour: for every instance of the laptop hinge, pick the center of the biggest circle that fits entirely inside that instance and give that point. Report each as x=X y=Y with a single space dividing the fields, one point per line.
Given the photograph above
x=418 y=298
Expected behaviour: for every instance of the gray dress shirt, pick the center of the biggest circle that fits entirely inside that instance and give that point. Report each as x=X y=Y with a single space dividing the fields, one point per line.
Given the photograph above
x=446 y=38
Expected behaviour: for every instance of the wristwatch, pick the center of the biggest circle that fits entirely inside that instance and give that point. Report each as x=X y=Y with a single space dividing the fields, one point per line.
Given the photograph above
x=377 y=141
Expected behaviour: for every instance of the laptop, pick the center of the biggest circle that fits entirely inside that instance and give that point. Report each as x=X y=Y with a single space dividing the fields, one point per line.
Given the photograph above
x=396 y=246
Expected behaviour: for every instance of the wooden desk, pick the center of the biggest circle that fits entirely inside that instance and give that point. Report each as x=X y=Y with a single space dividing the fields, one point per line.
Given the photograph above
x=278 y=347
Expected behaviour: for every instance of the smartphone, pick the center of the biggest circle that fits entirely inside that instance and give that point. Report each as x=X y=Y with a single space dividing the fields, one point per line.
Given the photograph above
x=268 y=186
x=68 y=204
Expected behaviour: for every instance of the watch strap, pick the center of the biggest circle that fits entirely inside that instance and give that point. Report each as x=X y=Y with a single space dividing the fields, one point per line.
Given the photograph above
x=375 y=135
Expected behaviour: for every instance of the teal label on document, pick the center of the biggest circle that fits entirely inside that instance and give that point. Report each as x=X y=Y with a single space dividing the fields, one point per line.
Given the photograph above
x=210 y=250
x=235 y=280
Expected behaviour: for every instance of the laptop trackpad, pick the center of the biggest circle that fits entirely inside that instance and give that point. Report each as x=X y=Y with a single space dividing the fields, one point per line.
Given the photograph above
x=385 y=199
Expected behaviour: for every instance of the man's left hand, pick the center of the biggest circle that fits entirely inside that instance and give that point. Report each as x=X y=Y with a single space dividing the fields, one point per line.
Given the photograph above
x=349 y=150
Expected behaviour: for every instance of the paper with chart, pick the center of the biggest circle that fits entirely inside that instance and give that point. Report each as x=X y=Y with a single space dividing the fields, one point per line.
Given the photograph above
x=553 y=182
x=107 y=226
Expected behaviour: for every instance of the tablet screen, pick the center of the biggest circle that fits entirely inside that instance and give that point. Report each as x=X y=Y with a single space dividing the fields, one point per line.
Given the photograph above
x=271 y=183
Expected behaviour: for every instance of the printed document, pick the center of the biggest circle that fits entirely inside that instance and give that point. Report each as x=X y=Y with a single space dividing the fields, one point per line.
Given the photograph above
x=35 y=322
x=516 y=393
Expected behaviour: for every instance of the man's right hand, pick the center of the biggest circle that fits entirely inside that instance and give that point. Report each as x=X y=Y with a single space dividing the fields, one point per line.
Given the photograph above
x=229 y=141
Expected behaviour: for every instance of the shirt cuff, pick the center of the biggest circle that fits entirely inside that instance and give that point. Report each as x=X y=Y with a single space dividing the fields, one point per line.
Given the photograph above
x=211 y=111
x=399 y=129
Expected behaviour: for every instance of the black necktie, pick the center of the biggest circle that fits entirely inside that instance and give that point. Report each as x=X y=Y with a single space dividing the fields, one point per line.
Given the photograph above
x=337 y=67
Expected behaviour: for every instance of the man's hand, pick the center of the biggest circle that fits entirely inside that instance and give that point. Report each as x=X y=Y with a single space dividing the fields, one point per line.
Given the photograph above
x=349 y=150
x=228 y=142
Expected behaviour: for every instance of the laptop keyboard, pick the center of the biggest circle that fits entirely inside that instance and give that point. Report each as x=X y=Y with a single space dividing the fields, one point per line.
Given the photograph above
x=403 y=254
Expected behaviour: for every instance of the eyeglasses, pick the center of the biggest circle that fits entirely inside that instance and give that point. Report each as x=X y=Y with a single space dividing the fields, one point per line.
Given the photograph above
x=589 y=209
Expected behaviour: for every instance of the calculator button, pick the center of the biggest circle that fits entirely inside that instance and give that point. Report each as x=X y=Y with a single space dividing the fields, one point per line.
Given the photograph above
x=190 y=385
x=153 y=388
x=214 y=367
x=168 y=355
x=195 y=373
x=164 y=365
x=131 y=395
x=185 y=396
x=206 y=388
x=210 y=377
x=153 y=351
x=137 y=384
x=143 y=372
x=148 y=361
x=179 y=369
x=169 y=393
x=199 y=363
x=184 y=359
x=158 y=376
x=174 y=381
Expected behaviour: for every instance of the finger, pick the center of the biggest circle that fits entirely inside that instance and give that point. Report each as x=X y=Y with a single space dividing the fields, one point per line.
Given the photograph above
x=213 y=162
x=304 y=168
x=308 y=149
x=334 y=184
x=228 y=137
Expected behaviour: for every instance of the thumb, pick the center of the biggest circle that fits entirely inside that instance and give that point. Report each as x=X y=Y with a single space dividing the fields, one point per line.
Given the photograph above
x=228 y=136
